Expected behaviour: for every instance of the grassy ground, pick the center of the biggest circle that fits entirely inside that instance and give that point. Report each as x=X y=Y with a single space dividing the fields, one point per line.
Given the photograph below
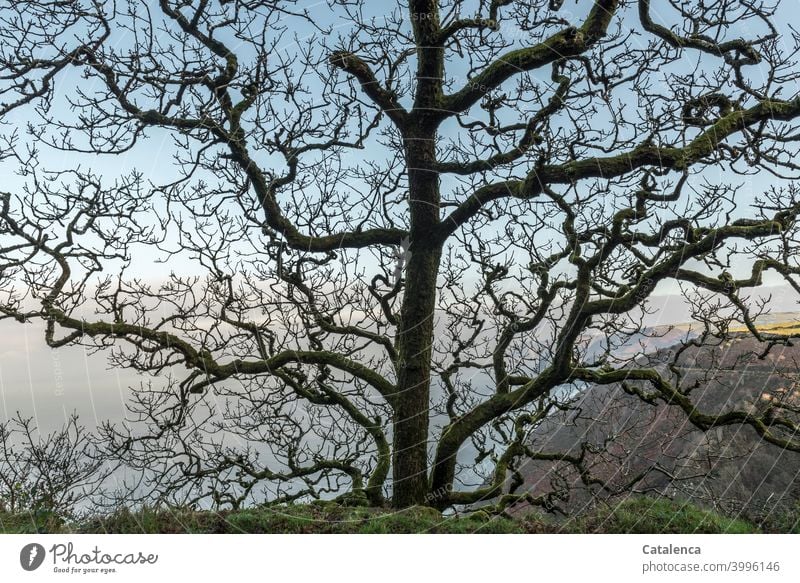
x=647 y=515
x=781 y=328
x=640 y=515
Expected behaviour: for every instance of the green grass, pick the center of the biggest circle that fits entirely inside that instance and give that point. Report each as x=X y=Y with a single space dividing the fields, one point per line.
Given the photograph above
x=323 y=518
x=644 y=515
x=784 y=520
x=636 y=515
x=30 y=523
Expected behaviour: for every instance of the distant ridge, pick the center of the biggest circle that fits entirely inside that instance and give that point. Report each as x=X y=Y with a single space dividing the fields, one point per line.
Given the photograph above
x=728 y=468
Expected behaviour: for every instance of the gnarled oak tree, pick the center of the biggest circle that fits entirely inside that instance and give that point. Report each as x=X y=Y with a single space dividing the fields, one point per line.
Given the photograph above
x=390 y=239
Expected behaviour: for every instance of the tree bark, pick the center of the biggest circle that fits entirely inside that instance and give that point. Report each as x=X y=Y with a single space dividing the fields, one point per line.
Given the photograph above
x=415 y=335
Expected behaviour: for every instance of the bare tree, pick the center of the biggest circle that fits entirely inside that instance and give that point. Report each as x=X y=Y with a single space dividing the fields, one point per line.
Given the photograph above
x=408 y=228
x=58 y=472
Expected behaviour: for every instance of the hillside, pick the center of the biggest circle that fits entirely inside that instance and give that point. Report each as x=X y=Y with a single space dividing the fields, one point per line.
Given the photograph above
x=728 y=468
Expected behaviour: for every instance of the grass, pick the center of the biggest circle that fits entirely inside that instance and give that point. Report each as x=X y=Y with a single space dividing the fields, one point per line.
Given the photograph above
x=781 y=328
x=321 y=518
x=635 y=515
x=30 y=523
x=644 y=515
x=785 y=520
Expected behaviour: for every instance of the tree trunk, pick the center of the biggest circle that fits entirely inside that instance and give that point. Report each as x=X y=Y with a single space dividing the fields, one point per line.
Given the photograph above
x=415 y=336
